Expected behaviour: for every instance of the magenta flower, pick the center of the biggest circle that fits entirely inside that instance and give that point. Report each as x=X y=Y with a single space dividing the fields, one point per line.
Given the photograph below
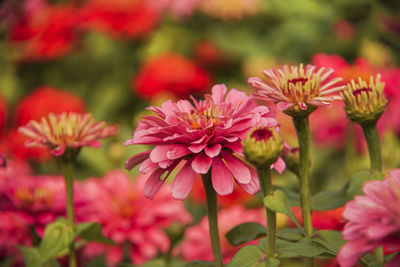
x=298 y=88
x=128 y=218
x=373 y=220
x=208 y=133
x=66 y=130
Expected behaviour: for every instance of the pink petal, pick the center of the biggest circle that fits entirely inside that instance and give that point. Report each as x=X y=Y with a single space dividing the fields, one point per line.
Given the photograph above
x=201 y=163
x=147 y=166
x=279 y=165
x=136 y=159
x=218 y=92
x=196 y=148
x=183 y=182
x=159 y=153
x=254 y=186
x=153 y=183
x=221 y=177
x=213 y=151
x=59 y=151
x=177 y=151
x=238 y=168
x=283 y=106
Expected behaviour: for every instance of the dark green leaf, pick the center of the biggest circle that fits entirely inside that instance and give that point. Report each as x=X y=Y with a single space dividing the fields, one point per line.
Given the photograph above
x=328 y=200
x=293 y=196
x=330 y=239
x=245 y=232
x=278 y=202
x=290 y=234
x=303 y=248
x=57 y=237
x=248 y=256
x=91 y=231
x=199 y=264
x=357 y=180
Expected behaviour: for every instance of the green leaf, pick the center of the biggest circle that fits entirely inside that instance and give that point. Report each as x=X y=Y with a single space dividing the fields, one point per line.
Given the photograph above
x=357 y=180
x=248 y=256
x=199 y=264
x=91 y=231
x=31 y=256
x=272 y=262
x=278 y=202
x=332 y=240
x=328 y=200
x=245 y=232
x=161 y=263
x=303 y=248
x=57 y=237
x=290 y=234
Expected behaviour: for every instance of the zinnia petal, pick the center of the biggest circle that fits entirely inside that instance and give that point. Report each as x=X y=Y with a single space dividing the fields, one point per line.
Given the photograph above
x=201 y=163
x=136 y=159
x=183 y=182
x=221 y=177
x=238 y=168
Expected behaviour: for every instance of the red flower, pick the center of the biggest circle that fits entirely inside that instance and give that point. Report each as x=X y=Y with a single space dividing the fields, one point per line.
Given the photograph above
x=3 y=112
x=119 y=17
x=324 y=220
x=45 y=100
x=170 y=73
x=48 y=33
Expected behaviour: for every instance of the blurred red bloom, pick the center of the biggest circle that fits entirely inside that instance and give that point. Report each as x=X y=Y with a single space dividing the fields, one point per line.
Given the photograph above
x=170 y=73
x=208 y=54
x=46 y=34
x=197 y=246
x=324 y=220
x=45 y=100
x=129 y=218
x=3 y=112
x=121 y=18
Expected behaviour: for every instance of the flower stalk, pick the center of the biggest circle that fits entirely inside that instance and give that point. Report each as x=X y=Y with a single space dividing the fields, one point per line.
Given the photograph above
x=302 y=127
x=68 y=166
x=212 y=211
x=264 y=175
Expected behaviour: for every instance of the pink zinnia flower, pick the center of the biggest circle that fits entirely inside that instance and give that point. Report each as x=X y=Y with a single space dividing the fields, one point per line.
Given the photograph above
x=128 y=218
x=72 y=130
x=200 y=136
x=373 y=220
x=298 y=88
x=197 y=247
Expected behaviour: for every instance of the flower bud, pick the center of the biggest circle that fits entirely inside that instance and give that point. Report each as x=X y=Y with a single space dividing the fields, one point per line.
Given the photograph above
x=364 y=103
x=263 y=146
x=291 y=158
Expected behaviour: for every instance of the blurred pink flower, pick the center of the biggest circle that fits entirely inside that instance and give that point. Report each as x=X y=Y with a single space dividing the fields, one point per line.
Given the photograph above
x=196 y=247
x=204 y=135
x=182 y=8
x=298 y=88
x=14 y=230
x=127 y=217
x=62 y=131
x=39 y=199
x=373 y=220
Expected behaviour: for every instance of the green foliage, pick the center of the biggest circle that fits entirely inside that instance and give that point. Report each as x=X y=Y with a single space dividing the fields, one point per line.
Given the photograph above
x=245 y=232
x=330 y=199
x=199 y=264
x=91 y=231
x=248 y=256
x=357 y=180
x=290 y=234
x=160 y=263
x=332 y=240
x=278 y=202
x=304 y=248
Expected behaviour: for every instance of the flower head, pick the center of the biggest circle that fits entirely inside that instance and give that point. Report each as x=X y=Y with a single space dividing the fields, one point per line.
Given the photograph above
x=208 y=133
x=263 y=146
x=373 y=220
x=365 y=102
x=128 y=218
x=298 y=90
x=59 y=132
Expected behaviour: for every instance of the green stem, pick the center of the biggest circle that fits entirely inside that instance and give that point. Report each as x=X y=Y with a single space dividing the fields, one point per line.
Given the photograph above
x=211 y=199
x=69 y=182
x=375 y=155
x=374 y=146
x=264 y=175
x=303 y=134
